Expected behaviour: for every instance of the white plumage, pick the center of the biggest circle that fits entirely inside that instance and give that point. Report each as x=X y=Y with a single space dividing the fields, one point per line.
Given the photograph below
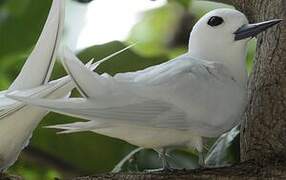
x=17 y=120
x=198 y=94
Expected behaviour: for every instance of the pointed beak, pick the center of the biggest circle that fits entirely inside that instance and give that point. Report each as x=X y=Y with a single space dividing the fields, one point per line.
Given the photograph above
x=251 y=30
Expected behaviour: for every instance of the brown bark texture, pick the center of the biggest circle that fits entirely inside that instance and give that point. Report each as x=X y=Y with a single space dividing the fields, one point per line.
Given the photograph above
x=263 y=132
x=244 y=171
x=10 y=177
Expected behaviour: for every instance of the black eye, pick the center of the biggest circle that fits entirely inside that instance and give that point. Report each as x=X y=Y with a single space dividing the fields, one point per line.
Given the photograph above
x=215 y=21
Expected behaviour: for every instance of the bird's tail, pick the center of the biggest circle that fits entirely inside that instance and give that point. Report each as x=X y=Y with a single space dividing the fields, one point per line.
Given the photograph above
x=38 y=67
x=78 y=127
x=60 y=87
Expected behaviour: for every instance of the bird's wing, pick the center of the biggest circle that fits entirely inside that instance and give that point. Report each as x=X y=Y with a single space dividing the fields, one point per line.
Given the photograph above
x=175 y=69
x=39 y=65
x=79 y=127
x=122 y=101
x=143 y=76
x=177 y=72
x=94 y=85
x=56 y=88
x=143 y=113
x=150 y=113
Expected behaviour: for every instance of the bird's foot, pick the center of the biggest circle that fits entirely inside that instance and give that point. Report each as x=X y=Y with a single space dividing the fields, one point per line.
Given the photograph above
x=201 y=167
x=202 y=163
x=164 y=170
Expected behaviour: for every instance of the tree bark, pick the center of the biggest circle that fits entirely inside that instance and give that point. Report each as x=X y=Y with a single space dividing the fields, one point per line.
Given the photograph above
x=10 y=177
x=238 y=172
x=263 y=132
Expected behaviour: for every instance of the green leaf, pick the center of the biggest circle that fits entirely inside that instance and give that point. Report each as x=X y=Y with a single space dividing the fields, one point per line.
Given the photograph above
x=184 y=3
x=153 y=31
x=125 y=62
x=251 y=54
x=21 y=25
x=17 y=7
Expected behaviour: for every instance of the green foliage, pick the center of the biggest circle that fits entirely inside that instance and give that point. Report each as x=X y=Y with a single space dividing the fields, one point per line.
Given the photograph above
x=31 y=171
x=21 y=25
x=202 y=7
x=154 y=29
x=184 y=3
x=127 y=61
x=250 y=54
x=17 y=7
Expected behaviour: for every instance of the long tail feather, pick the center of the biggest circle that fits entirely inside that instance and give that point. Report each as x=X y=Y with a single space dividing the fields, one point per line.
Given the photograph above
x=77 y=127
x=39 y=65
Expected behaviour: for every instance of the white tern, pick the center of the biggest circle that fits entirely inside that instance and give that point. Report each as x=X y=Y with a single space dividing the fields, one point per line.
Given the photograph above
x=201 y=93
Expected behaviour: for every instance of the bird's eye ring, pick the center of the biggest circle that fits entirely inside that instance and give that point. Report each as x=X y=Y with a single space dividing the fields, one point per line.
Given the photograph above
x=215 y=21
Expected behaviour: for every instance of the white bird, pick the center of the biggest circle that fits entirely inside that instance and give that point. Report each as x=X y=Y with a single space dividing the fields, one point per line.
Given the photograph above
x=17 y=121
x=201 y=93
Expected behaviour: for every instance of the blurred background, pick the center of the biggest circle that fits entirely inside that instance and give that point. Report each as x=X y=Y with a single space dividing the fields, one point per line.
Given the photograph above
x=95 y=29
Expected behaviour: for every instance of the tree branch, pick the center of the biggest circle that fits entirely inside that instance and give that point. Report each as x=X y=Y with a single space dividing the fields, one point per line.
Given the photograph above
x=238 y=172
x=263 y=135
x=10 y=177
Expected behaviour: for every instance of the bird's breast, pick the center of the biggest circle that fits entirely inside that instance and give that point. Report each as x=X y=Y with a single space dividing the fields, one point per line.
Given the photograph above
x=149 y=137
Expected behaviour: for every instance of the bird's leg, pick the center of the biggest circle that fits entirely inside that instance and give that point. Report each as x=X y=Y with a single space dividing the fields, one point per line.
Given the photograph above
x=132 y=164
x=2 y=173
x=201 y=159
x=165 y=163
x=127 y=159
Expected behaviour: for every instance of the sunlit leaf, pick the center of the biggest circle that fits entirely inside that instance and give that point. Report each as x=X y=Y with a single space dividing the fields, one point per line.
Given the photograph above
x=154 y=29
x=17 y=7
x=184 y=3
x=22 y=25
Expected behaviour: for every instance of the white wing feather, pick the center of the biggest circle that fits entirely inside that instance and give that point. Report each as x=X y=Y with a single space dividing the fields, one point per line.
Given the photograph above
x=54 y=88
x=163 y=96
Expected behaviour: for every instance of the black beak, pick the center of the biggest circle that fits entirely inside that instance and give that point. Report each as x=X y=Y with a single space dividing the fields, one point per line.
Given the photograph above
x=251 y=30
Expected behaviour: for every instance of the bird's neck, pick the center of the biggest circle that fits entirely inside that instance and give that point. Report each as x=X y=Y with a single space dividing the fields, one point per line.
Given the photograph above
x=234 y=60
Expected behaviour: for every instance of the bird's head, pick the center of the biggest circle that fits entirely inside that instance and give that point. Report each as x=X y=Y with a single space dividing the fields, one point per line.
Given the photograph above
x=224 y=33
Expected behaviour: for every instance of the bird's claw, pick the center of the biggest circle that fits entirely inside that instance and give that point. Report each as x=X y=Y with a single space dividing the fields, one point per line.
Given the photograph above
x=164 y=170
